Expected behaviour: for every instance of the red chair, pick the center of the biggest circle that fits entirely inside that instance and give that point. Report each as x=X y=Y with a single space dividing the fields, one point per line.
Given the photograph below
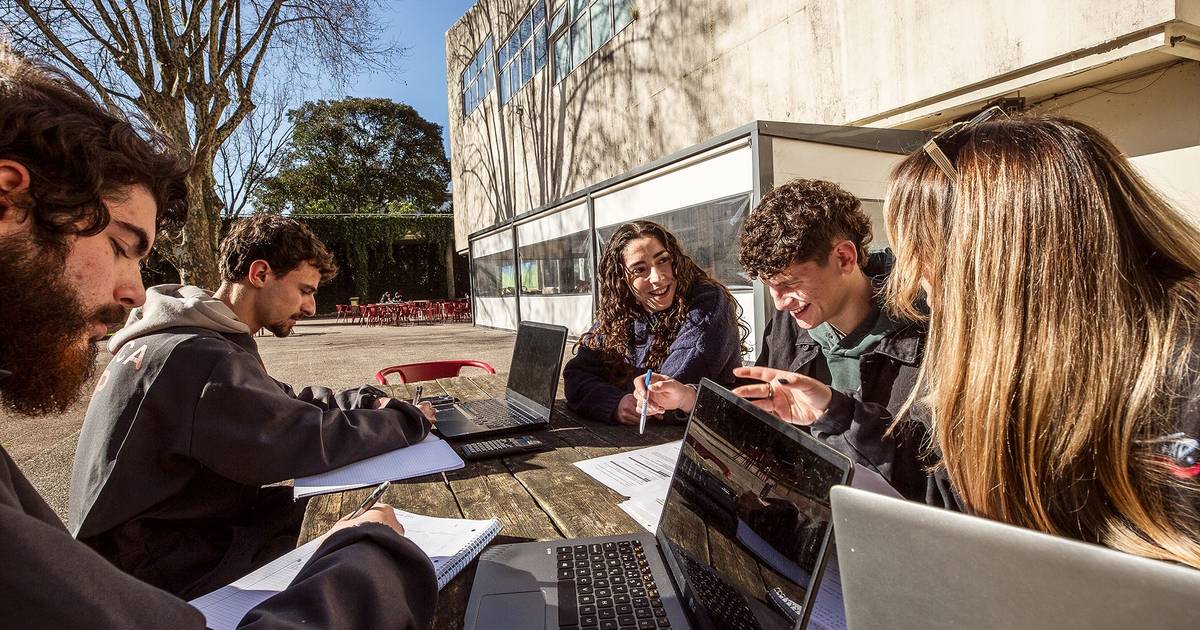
x=429 y=370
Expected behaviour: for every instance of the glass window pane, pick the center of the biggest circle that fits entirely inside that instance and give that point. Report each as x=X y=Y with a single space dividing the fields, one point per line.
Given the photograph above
x=539 y=49
x=562 y=56
x=623 y=10
x=539 y=12
x=705 y=232
x=504 y=93
x=578 y=6
x=514 y=79
x=559 y=266
x=526 y=64
x=514 y=46
x=581 y=41
x=601 y=14
x=526 y=27
x=559 y=19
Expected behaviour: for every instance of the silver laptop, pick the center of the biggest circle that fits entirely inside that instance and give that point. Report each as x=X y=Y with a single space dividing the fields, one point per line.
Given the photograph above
x=741 y=544
x=907 y=565
x=528 y=398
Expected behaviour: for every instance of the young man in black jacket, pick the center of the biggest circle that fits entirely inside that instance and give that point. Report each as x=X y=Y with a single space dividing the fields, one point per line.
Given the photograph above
x=806 y=241
x=185 y=426
x=82 y=193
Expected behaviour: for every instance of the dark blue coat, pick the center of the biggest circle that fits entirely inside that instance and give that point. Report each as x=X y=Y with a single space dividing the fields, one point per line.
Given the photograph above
x=707 y=345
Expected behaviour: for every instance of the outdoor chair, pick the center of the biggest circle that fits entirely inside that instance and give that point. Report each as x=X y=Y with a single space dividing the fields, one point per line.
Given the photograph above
x=429 y=370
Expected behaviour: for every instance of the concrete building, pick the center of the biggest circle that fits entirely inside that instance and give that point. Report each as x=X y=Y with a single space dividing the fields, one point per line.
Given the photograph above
x=569 y=115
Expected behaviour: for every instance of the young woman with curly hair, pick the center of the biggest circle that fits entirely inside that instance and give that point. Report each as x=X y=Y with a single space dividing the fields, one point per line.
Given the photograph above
x=658 y=310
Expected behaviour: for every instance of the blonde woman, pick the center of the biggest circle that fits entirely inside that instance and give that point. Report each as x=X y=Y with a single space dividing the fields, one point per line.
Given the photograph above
x=1060 y=370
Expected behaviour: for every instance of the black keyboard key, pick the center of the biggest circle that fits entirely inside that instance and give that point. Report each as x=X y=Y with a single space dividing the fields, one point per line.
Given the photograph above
x=603 y=592
x=609 y=624
x=641 y=602
x=568 y=614
x=620 y=588
x=607 y=613
x=565 y=574
x=624 y=609
x=621 y=599
x=645 y=624
x=588 y=621
x=587 y=609
x=642 y=613
x=587 y=599
x=587 y=590
x=626 y=620
x=604 y=602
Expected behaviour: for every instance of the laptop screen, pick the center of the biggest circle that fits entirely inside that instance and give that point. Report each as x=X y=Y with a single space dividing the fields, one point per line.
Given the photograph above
x=537 y=357
x=747 y=515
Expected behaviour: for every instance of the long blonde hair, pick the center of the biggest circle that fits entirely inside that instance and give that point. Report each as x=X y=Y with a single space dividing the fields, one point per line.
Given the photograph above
x=1064 y=295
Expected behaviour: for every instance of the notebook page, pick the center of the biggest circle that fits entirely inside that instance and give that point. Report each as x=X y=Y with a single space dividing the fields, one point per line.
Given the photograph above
x=431 y=455
x=449 y=543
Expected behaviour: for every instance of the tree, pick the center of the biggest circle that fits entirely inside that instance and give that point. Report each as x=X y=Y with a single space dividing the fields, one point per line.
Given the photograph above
x=192 y=67
x=359 y=155
x=252 y=153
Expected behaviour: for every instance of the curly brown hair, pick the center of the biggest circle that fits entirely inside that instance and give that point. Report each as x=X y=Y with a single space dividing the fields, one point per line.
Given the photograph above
x=612 y=335
x=284 y=243
x=799 y=222
x=78 y=153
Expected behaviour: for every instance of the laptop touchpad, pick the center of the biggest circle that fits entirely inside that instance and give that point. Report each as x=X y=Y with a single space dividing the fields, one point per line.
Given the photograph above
x=514 y=611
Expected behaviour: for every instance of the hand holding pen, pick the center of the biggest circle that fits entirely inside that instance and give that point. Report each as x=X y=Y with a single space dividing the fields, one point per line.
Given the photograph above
x=370 y=511
x=645 y=401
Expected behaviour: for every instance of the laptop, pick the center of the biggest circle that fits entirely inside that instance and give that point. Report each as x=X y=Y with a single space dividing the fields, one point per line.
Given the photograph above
x=741 y=543
x=529 y=396
x=907 y=565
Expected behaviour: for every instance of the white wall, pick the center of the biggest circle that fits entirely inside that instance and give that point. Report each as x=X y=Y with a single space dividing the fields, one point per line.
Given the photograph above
x=572 y=311
x=496 y=312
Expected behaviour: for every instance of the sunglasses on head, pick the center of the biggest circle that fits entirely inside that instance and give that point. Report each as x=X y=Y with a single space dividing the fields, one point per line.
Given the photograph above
x=946 y=142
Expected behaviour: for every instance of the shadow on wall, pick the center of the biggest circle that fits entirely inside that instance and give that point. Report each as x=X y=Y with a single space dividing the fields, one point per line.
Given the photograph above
x=640 y=96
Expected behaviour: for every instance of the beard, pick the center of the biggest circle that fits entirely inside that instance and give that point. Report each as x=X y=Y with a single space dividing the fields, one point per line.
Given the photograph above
x=283 y=328
x=44 y=330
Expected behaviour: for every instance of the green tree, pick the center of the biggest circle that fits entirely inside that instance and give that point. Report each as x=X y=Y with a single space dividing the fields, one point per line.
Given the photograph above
x=359 y=155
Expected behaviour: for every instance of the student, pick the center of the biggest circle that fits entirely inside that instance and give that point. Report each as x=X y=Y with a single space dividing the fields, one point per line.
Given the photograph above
x=82 y=194
x=1062 y=365
x=185 y=426
x=807 y=242
x=658 y=310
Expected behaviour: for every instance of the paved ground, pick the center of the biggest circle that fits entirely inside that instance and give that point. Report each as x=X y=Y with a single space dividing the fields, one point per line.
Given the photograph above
x=319 y=352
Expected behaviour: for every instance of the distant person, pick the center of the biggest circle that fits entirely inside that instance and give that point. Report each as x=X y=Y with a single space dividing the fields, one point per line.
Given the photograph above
x=186 y=427
x=386 y=298
x=658 y=310
x=807 y=242
x=82 y=194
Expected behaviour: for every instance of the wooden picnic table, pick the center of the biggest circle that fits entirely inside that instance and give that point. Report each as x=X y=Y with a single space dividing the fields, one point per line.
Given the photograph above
x=535 y=496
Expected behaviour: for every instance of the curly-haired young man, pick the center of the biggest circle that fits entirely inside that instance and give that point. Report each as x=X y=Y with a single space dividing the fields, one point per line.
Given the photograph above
x=831 y=337
x=186 y=427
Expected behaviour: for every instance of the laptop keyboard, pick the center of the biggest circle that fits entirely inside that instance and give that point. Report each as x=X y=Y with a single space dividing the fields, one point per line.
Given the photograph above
x=608 y=586
x=724 y=604
x=494 y=414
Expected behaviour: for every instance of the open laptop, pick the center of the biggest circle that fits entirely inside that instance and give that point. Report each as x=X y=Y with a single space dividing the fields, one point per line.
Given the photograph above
x=529 y=396
x=741 y=543
x=907 y=565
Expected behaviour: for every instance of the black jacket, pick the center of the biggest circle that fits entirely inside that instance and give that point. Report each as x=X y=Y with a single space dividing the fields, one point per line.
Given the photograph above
x=365 y=577
x=182 y=433
x=857 y=423
x=706 y=345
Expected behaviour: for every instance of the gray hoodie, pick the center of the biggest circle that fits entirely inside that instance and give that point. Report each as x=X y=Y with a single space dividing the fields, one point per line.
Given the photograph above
x=185 y=427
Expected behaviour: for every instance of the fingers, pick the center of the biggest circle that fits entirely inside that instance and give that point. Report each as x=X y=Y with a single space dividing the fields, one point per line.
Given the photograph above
x=760 y=373
x=756 y=391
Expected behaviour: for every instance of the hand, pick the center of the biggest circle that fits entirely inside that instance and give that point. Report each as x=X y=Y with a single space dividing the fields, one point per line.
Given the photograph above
x=791 y=397
x=628 y=411
x=381 y=513
x=426 y=408
x=666 y=393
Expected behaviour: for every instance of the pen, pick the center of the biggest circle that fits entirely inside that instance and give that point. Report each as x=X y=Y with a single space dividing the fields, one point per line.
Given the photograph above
x=645 y=401
x=370 y=500
x=416 y=401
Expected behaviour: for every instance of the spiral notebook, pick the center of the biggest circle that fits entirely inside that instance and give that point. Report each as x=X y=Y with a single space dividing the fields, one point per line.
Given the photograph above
x=451 y=544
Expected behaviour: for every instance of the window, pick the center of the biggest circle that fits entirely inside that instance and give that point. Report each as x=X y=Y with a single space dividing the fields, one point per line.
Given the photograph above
x=523 y=54
x=477 y=78
x=708 y=233
x=559 y=266
x=494 y=275
x=591 y=24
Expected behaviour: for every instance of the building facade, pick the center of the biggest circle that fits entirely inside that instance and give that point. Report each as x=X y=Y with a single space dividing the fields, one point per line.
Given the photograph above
x=568 y=114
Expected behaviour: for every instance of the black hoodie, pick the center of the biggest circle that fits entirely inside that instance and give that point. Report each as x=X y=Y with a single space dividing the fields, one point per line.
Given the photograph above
x=184 y=430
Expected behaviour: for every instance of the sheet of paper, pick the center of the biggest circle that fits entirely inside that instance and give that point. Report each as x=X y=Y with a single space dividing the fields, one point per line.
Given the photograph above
x=442 y=539
x=646 y=508
x=429 y=456
x=631 y=472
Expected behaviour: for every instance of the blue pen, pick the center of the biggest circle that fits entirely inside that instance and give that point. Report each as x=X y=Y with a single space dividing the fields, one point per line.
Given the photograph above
x=645 y=401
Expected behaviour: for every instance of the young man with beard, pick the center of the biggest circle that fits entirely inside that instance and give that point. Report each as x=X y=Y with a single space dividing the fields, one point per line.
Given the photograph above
x=82 y=194
x=807 y=241
x=185 y=426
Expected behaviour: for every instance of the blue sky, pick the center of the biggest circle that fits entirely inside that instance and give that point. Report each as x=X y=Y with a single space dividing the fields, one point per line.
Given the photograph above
x=420 y=26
